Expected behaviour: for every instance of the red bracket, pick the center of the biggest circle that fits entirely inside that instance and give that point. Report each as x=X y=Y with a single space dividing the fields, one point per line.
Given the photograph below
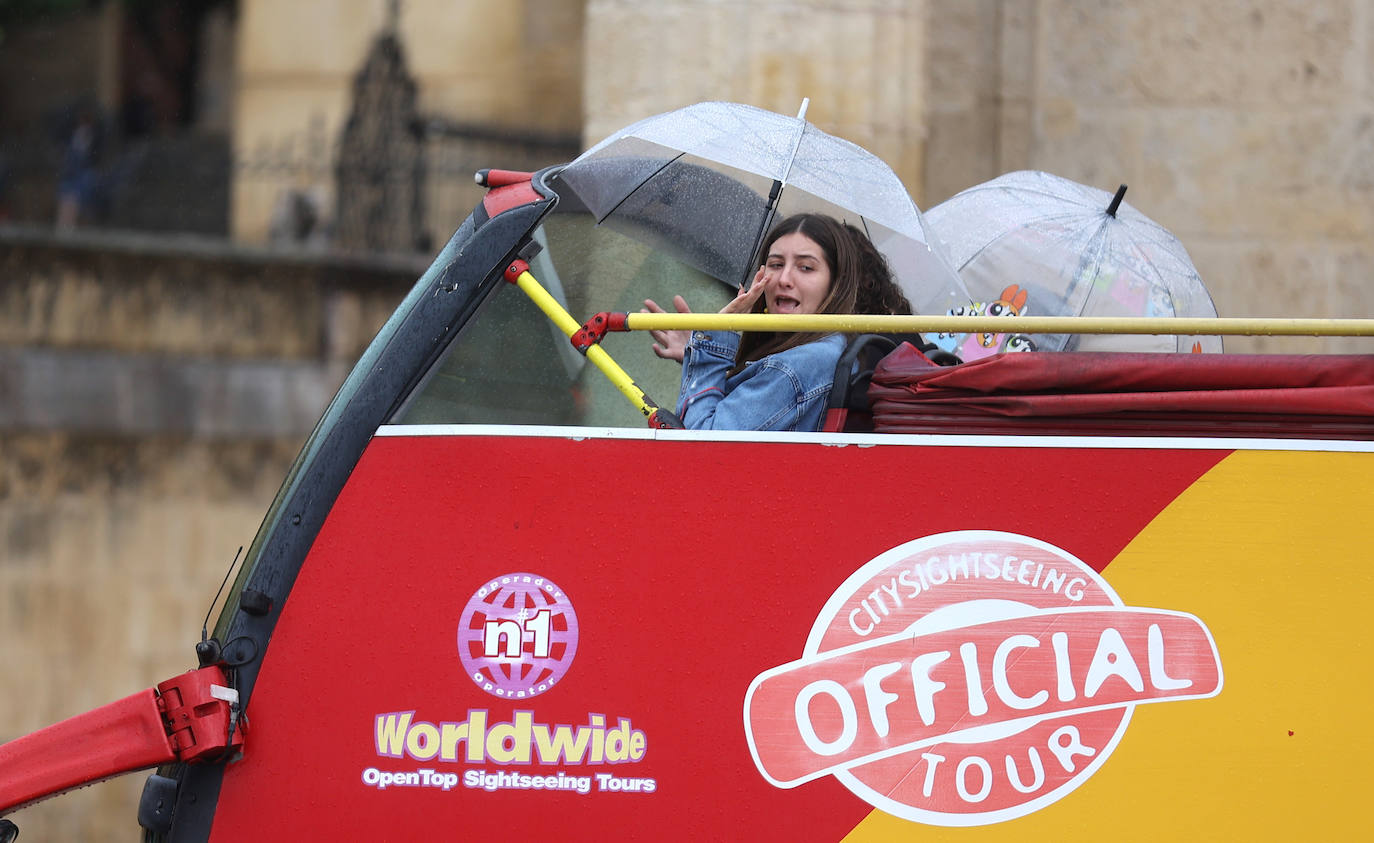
x=508 y=194
x=491 y=177
x=199 y=710
x=187 y=718
x=594 y=330
x=515 y=269
x=661 y=419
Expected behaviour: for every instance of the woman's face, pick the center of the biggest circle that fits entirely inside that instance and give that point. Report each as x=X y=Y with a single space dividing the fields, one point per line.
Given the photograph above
x=796 y=276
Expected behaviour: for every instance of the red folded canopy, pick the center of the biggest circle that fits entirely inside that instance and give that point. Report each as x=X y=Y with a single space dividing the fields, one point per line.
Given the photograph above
x=1281 y=395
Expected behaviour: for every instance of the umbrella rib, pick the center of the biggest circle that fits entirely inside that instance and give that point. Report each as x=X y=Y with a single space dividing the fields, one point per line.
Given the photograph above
x=1081 y=202
x=643 y=182
x=1097 y=247
x=1160 y=280
x=796 y=145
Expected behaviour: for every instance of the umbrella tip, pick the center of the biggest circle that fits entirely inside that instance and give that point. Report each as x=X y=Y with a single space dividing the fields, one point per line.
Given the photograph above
x=1116 y=201
x=801 y=114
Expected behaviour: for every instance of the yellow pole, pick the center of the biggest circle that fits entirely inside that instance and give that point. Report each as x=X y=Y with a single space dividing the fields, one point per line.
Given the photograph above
x=859 y=323
x=518 y=273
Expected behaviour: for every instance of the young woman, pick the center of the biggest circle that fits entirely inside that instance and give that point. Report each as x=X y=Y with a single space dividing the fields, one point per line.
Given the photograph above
x=780 y=381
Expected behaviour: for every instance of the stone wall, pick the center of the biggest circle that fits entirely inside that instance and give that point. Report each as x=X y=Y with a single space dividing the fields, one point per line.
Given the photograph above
x=113 y=546
x=860 y=62
x=152 y=397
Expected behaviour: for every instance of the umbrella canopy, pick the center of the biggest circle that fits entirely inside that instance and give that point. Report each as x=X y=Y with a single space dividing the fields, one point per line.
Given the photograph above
x=703 y=183
x=1032 y=243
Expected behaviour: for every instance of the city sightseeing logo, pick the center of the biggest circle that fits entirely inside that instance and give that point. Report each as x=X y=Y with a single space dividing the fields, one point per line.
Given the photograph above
x=517 y=636
x=970 y=678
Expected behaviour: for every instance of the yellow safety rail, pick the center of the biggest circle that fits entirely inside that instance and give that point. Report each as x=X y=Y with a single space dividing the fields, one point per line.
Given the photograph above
x=859 y=323
x=518 y=273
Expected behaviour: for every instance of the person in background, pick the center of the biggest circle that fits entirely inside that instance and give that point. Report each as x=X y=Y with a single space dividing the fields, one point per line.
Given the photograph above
x=76 y=180
x=4 y=188
x=810 y=263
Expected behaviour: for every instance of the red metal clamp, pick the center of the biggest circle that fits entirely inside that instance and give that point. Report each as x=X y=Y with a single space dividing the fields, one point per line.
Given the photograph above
x=515 y=269
x=594 y=330
x=200 y=712
x=189 y=718
x=661 y=419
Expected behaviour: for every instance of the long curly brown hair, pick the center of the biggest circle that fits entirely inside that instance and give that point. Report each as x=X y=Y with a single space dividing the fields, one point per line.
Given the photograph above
x=860 y=281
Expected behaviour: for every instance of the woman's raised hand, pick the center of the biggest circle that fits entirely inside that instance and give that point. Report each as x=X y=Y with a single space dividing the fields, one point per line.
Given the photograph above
x=669 y=344
x=745 y=300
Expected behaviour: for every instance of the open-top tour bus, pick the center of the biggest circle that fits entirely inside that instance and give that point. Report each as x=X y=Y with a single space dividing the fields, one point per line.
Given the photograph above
x=490 y=599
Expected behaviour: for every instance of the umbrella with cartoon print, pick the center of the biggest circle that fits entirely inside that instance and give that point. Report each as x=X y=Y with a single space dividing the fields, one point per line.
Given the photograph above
x=1033 y=243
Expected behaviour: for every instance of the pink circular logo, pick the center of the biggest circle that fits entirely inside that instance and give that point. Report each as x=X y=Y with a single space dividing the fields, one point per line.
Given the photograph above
x=517 y=635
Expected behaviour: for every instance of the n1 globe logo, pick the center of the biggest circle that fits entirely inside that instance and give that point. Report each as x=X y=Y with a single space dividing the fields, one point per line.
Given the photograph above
x=517 y=636
x=970 y=678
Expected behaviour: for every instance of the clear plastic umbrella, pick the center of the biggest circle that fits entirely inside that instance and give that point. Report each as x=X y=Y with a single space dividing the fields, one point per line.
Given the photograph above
x=703 y=183
x=1031 y=243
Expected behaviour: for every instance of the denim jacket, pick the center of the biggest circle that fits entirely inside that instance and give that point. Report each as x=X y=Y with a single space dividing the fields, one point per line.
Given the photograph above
x=783 y=391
